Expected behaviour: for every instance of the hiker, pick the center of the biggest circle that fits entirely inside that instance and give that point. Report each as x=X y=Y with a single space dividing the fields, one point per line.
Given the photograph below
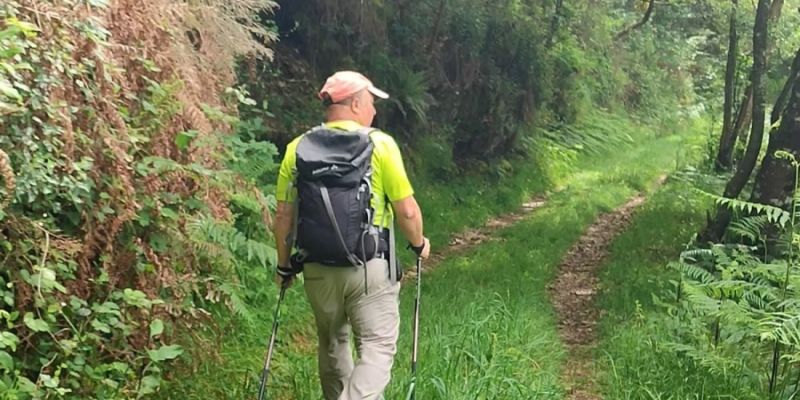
x=340 y=186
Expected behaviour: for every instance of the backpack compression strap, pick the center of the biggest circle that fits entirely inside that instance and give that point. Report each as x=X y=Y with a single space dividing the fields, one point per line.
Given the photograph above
x=326 y=198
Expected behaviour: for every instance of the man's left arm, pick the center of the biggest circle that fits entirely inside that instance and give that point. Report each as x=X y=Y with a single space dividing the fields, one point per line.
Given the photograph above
x=284 y=214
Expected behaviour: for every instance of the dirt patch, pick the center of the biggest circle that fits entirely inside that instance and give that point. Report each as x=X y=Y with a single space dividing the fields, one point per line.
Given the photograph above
x=468 y=239
x=574 y=290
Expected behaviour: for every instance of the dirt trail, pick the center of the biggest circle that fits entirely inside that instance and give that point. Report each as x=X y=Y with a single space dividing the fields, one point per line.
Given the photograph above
x=470 y=238
x=573 y=293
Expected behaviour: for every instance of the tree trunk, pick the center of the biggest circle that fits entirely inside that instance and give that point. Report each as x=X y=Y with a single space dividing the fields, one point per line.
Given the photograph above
x=434 y=35
x=745 y=116
x=554 y=23
x=775 y=11
x=647 y=14
x=727 y=139
x=745 y=113
x=775 y=180
x=716 y=228
x=783 y=98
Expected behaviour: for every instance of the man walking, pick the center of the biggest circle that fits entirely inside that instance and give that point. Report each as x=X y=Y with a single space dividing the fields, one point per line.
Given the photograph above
x=344 y=183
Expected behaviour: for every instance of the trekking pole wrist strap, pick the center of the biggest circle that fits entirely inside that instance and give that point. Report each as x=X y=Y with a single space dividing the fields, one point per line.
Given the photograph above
x=286 y=272
x=417 y=249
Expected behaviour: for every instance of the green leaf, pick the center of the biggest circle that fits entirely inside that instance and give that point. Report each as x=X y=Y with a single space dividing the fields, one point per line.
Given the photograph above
x=108 y=307
x=35 y=324
x=169 y=213
x=6 y=362
x=27 y=28
x=156 y=327
x=183 y=139
x=148 y=386
x=136 y=298
x=8 y=91
x=143 y=219
x=101 y=326
x=8 y=340
x=25 y=385
x=165 y=353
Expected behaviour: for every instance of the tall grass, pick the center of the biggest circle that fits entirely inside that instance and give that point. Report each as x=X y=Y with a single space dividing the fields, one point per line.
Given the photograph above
x=634 y=359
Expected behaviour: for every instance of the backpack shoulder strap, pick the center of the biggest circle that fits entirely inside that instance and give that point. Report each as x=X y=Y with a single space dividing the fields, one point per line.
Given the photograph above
x=291 y=239
x=367 y=130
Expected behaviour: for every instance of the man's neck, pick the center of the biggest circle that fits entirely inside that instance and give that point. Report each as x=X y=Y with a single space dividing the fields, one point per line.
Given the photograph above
x=339 y=115
x=332 y=120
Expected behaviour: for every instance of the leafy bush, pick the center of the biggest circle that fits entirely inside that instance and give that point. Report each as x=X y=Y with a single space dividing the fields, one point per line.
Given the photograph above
x=127 y=209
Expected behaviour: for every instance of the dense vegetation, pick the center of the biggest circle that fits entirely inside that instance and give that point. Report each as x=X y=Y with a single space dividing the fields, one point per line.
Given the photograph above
x=138 y=143
x=128 y=209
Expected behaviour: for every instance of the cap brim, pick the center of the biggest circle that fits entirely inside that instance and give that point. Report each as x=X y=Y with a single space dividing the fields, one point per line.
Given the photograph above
x=377 y=92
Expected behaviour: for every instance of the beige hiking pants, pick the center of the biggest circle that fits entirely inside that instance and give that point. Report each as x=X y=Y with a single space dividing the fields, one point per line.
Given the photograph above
x=337 y=298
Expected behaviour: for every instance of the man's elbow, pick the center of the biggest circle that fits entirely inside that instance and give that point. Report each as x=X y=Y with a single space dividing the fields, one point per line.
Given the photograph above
x=283 y=213
x=410 y=213
x=407 y=209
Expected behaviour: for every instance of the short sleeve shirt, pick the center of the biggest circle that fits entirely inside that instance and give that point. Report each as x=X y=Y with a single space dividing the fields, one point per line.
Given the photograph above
x=389 y=178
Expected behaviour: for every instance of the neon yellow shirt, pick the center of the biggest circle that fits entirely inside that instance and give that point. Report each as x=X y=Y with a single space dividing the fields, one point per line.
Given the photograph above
x=389 y=177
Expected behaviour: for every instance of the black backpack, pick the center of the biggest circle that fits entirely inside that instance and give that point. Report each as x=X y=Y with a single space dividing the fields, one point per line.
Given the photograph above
x=334 y=188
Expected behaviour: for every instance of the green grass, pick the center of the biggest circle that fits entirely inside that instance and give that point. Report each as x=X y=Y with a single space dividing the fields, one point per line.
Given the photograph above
x=633 y=361
x=487 y=329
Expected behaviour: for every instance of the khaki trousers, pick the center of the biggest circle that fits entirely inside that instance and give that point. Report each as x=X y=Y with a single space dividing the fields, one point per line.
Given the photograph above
x=337 y=298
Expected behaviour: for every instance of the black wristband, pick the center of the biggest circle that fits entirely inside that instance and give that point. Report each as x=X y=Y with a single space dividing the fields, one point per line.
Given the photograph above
x=417 y=250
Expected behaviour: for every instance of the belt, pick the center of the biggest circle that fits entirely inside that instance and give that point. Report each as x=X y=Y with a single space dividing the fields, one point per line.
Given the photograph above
x=383 y=244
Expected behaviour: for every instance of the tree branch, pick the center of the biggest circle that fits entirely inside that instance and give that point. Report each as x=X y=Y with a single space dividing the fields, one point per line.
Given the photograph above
x=647 y=15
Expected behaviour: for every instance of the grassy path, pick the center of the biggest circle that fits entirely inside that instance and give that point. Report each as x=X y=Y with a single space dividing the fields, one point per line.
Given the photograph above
x=488 y=330
x=632 y=360
x=573 y=294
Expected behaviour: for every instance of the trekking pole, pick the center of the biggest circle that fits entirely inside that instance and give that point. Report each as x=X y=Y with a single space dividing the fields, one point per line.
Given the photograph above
x=415 y=339
x=265 y=372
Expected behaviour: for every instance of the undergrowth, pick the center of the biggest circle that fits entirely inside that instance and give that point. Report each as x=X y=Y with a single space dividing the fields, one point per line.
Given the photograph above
x=692 y=323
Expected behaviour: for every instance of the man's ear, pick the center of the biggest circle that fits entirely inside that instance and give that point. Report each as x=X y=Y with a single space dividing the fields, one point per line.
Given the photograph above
x=355 y=104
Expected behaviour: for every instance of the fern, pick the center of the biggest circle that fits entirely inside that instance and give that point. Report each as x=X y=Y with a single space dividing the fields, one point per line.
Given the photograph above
x=701 y=301
x=693 y=272
x=696 y=254
x=246 y=201
x=266 y=255
x=775 y=215
x=750 y=228
x=711 y=360
x=783 y=327
x=232 y=240
x=237 y=304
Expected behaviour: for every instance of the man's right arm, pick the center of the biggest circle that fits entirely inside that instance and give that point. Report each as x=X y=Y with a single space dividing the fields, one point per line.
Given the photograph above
x=409 y=218
x=398 y=190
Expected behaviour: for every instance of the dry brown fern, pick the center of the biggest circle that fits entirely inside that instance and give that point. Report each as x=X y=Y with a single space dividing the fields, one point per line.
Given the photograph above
x=9 y=182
